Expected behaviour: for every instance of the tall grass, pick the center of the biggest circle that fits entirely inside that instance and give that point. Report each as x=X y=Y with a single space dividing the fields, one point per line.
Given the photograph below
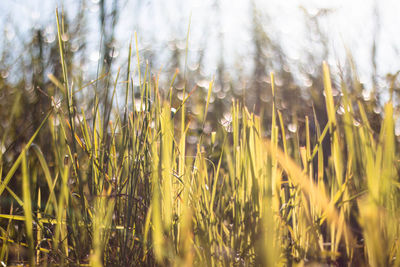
x=126 y=188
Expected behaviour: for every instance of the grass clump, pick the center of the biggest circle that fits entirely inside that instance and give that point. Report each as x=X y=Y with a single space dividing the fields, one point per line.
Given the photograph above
x=127 y=188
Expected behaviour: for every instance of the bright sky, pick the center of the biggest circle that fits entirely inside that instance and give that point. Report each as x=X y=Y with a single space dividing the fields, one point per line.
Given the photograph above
x=351 y=23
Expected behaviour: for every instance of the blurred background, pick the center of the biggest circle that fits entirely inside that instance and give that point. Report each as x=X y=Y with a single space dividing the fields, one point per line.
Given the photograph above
x=222 y=32
x=237 y=42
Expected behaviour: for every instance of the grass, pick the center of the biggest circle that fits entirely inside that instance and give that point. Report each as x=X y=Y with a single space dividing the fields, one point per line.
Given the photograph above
x=126 y=188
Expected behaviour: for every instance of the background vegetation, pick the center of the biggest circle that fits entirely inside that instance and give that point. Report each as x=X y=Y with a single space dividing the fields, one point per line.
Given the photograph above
x=131 y=169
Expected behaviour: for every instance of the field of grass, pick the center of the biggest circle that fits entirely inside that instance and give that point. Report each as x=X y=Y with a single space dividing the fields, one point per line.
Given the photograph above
x=124 y=186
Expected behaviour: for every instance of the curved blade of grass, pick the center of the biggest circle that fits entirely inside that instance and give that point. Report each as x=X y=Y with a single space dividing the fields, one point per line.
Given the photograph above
x=14 y=167
x=308 y=187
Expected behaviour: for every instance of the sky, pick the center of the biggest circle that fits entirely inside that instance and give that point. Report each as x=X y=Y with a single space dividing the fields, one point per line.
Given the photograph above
x=350 y=24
